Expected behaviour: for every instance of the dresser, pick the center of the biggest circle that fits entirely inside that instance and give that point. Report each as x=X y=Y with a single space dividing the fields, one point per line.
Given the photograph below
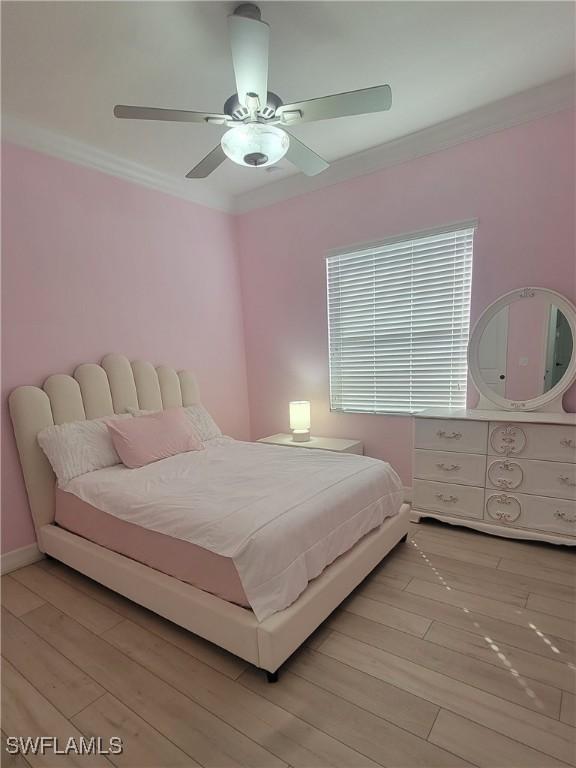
x=510 y=474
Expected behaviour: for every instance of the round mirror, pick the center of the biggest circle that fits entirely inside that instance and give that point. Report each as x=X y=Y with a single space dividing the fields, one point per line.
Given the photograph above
x=522 y=350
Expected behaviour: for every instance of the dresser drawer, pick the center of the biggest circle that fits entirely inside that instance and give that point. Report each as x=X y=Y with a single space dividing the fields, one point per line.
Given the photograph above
x=449 y=498
x=550 y=442
x=451 y=435
x=544 y=478
x=464 y=469
x=539 y=513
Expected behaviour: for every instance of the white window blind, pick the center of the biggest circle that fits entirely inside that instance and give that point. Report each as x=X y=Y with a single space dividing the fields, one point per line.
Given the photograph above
x=398 y=318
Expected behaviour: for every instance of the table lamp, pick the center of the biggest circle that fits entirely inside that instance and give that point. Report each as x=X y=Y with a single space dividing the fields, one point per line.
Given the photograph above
x=300 y=420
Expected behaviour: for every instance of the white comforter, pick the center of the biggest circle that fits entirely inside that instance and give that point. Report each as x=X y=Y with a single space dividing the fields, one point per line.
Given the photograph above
x=281 y=514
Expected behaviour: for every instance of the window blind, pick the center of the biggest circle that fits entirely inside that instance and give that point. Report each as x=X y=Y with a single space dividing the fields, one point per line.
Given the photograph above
x=398 y=321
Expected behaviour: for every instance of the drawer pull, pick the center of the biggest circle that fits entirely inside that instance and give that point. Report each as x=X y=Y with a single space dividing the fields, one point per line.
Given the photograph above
x=446 y=499
x=449 y=435
x=567 y=443
x=566 y=481
x=562 y=515
x=449 y=467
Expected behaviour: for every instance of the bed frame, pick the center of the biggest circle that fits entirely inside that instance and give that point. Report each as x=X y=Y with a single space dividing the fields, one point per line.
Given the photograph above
x=112 y=387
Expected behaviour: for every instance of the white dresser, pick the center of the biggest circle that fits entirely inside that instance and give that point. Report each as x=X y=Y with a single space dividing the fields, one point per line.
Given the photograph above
x=512 y=474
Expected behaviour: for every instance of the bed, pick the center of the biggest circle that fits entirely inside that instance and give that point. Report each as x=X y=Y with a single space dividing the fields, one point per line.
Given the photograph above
x=235 y=614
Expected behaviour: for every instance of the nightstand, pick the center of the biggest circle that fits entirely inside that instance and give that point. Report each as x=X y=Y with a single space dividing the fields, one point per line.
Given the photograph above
x=337 y=444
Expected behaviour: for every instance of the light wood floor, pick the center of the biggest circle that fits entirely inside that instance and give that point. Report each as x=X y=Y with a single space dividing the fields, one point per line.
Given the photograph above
x=458 y=650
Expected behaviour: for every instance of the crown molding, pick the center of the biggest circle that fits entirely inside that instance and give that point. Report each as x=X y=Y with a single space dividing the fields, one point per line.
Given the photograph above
x=23 y=133
x=523 y=107
x=513 y=110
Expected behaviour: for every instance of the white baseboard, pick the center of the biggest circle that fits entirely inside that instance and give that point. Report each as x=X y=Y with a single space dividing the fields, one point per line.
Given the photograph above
x=18 y=558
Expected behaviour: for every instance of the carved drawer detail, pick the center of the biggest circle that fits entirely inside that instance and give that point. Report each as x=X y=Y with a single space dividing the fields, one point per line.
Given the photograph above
x=533 y=476
x=505 y=474
x=508 y=439
x=546 y=442
x=503 y=508
x=538 y=513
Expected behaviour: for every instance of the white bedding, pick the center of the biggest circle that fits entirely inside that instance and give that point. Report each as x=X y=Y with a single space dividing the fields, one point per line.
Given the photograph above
x=281 y=514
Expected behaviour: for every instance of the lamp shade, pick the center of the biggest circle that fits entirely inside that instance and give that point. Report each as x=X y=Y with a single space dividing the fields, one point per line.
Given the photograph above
x=300 y=415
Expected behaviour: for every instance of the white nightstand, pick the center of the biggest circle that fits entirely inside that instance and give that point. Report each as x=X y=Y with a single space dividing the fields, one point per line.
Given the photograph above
x=338 y=444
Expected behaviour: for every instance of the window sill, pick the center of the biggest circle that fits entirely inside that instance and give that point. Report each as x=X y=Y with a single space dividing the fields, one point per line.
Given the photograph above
x=377 y=413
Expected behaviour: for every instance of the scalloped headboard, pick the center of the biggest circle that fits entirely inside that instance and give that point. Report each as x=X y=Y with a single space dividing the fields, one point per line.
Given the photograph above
x=92 y=392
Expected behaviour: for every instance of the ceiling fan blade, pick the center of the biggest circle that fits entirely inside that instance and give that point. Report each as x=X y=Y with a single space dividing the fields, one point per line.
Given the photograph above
x=249 y=39
x=207 y=164
x=305 y=158
x=170 y=115
x=376 y=99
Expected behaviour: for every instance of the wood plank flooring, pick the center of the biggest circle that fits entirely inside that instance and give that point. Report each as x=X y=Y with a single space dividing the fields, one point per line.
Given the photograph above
x=458 y=650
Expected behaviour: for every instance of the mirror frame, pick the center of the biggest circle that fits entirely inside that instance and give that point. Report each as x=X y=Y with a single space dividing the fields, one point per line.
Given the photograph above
x=548 y=401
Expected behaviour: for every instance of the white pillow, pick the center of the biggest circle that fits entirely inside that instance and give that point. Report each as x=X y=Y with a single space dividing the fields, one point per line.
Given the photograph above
x=204 y=425
x=79 y=447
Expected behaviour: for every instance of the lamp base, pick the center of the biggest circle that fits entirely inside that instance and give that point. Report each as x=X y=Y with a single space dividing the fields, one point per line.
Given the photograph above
x=301 y=437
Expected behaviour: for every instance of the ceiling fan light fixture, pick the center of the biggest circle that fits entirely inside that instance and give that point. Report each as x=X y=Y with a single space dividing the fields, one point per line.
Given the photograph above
x=255 y=145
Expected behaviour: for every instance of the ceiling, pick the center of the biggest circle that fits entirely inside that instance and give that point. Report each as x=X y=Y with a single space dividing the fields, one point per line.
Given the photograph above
x=65 y=65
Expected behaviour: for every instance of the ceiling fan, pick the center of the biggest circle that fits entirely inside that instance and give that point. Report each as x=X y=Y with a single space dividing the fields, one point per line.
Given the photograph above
x=256 y=118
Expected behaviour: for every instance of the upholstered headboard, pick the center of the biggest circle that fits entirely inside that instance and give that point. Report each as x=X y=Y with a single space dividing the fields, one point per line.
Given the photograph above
x=92 y=392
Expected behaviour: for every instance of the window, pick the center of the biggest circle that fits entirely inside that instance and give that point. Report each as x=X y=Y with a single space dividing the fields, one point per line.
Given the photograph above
x=398 y=321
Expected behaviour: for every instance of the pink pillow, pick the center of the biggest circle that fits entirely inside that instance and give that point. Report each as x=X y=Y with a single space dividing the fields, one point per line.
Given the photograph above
x=144 y=439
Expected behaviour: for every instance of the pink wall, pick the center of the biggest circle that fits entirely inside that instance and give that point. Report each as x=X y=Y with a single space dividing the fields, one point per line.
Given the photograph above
x=93 y=264
x=519 y=183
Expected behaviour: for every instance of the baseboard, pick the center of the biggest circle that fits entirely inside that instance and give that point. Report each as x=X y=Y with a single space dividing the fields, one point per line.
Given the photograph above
x=18 y=558
x=407 y=494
